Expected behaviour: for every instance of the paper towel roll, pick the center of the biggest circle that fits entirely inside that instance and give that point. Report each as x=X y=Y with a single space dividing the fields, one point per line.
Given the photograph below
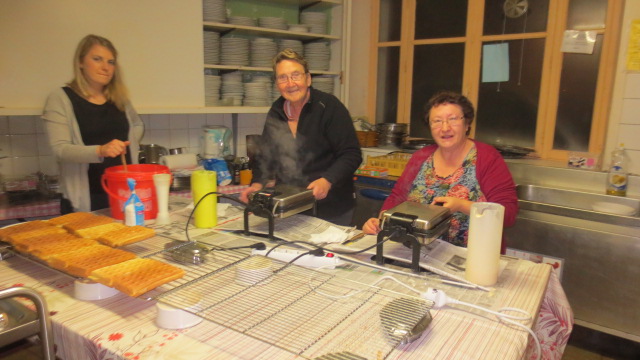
x=179 y=161
x=203 y=182
x=483 y=246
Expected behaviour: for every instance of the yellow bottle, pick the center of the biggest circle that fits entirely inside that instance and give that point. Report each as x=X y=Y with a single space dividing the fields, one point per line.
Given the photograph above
x=202 y=183
x=617 y=177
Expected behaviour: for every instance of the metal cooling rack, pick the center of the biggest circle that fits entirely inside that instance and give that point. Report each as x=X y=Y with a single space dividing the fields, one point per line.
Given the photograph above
x=306 y=312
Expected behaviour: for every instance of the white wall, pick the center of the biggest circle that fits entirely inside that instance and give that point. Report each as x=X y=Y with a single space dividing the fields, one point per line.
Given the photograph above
x=160 y=46
x=624 y=119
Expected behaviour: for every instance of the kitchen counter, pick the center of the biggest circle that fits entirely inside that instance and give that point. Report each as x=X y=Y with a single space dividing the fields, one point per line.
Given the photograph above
x=121 y=327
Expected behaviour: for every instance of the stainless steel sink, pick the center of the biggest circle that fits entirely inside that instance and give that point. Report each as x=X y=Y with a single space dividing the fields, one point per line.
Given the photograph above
x=576 y=204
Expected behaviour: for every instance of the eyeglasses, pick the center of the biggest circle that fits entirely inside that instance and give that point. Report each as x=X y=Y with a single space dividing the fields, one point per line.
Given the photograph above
x=296 y=76
x=452 y=121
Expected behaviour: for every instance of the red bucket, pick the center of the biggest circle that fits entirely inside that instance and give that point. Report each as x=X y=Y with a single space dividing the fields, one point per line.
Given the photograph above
x=114 y=182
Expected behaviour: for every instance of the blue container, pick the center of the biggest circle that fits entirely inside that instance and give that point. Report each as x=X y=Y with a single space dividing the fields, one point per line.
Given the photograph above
x=220 y=167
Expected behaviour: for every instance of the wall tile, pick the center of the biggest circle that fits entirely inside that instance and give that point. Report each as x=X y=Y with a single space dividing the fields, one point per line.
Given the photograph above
x=6 y=167
x=215 y=119
x=44 y=149
x=160 y=137
x=25 y=165
x=634 y=164
x=179 y=138
x=178 y=121
x=5 y=145
x=197 y=121
x=194 y=138
x=39 y=125
x=630 y=111
x=4 y=125
x=48 y=165
x=24 y=145
x=629 y=135
x=159 y=121
x=632 y=86
x=22 y=125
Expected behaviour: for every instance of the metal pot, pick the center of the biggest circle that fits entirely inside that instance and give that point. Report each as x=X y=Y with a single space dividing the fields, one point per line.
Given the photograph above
x=150 y=154
x=392 y=128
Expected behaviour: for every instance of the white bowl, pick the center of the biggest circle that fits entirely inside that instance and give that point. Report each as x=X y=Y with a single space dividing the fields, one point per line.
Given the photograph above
x=89 y=290
x=169 y=317
x=613 y=208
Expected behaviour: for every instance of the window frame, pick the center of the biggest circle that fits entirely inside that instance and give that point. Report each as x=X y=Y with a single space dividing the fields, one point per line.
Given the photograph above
x=551 y=73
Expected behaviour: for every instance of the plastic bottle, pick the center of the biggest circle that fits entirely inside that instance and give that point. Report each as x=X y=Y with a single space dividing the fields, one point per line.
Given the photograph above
x=617 y=177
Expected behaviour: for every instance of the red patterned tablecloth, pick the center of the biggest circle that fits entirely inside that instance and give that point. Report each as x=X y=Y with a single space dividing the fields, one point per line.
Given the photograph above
x=36 y=209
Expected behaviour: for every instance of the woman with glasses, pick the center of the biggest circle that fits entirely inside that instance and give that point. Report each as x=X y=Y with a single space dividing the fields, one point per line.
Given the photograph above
x=455 y=172
x=308 y=141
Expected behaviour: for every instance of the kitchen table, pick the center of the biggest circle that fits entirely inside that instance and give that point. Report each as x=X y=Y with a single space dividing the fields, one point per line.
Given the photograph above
x=121 y=327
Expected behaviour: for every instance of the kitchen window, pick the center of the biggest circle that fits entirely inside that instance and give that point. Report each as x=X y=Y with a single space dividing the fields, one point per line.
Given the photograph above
x=546 y=99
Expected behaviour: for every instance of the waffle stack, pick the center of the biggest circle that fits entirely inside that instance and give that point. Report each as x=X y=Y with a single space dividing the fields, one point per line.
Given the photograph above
x=82 y=245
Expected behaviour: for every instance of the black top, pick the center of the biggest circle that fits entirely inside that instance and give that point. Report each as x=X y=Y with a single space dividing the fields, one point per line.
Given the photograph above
x=325 y=145
x=98 y=125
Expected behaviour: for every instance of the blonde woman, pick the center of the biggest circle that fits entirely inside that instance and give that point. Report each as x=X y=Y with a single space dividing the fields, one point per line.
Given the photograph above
x=90 y=122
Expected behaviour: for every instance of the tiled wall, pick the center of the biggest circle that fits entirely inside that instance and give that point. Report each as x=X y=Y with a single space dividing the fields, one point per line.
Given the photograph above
x=25 y=145
x=629 y=126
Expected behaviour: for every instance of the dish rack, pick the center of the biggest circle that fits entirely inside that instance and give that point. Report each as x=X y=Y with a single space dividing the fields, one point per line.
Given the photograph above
x=394 y=162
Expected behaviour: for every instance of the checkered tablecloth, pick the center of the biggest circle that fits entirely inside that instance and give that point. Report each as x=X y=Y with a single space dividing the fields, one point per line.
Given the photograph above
x=36 y=209
x=229 y=189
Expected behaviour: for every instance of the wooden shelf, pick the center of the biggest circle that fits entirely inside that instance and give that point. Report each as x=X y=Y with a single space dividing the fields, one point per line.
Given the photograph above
x=224 y=28
x=264 y=69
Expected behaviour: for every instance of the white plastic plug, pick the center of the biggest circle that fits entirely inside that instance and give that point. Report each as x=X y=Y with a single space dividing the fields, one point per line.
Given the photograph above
x=438 y=297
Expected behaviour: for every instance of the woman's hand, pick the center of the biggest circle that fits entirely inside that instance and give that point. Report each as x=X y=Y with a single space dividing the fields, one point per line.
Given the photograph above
x=113 y=148
x=454 y=204
x=320 y=188
x=244 y=195
x=371 y=227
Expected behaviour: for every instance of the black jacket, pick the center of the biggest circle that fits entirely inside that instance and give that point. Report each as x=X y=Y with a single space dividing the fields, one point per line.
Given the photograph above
x=325 y=146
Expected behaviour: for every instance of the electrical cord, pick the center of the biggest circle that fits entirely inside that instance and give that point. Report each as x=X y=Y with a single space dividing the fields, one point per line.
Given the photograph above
x=440 y=299
x=224 y=196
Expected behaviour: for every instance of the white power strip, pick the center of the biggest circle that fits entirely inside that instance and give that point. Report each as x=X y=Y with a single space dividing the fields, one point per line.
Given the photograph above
x=328 y=261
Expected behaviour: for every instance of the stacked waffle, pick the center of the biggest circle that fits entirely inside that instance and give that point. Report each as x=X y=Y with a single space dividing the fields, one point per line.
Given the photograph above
x=82 y=245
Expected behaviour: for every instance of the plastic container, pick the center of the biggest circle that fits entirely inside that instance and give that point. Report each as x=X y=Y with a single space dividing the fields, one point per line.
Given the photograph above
x=114 y=182
x=617 y=177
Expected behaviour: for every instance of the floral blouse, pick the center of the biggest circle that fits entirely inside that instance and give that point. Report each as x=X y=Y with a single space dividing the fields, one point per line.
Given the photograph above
x=462 y=184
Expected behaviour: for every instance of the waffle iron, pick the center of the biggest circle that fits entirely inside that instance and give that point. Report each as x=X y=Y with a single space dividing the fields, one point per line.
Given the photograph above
x=413 y=224
x=280 y=201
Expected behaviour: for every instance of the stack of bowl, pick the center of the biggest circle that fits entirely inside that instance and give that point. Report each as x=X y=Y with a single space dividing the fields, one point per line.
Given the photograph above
x=391 y=134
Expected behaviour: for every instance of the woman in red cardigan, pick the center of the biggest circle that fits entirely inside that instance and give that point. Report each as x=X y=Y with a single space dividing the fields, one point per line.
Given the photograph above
x=456 y=171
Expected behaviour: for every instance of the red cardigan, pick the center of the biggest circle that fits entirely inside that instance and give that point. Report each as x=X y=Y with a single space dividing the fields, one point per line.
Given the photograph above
x=492 y=172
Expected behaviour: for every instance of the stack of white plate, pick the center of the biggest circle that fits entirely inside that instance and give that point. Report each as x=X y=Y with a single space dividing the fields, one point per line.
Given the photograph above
x=323 y=83
x=212 y=90
x=214 y=10
x=318 y=55
x=299 y=28
x=234 y=51
x=232 y=88
x=272 y=23
x=275 y=93
x=211 y=47
x=262 y=52
x=242 y=20
x=295 y=45
x=257 y=93
x=317 y=21
x=267 y=80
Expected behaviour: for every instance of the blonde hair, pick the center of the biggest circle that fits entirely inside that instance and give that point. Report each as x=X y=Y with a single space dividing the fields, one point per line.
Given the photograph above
x=115 y=91
x=288 y=54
